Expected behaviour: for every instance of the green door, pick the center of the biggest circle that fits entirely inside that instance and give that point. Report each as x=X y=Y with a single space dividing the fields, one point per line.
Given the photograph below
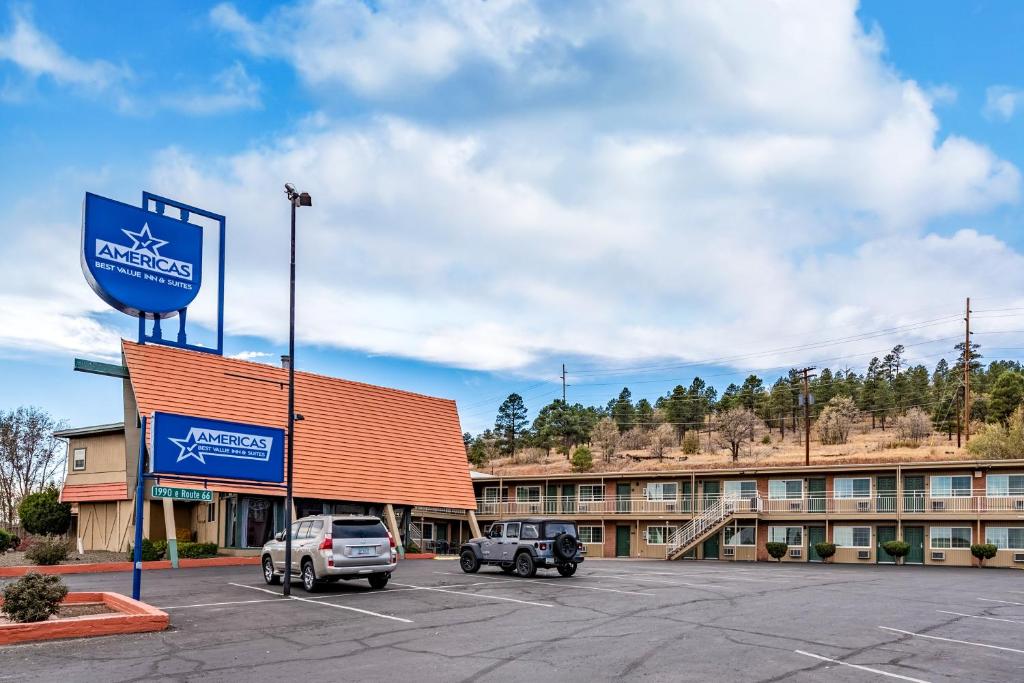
x=885 y=500
x=551 y=500
x=913 y=494
x=568 y=498
x=914 y=537
x=622 y=497
x=711 y=491
x=885 y=534
x=622 y=541
x=815 y=534
x=687 y=497
x=711 y=547
x=816 y=495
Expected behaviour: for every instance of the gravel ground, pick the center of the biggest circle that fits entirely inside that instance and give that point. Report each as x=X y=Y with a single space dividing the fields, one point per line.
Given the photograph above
x=15 y=559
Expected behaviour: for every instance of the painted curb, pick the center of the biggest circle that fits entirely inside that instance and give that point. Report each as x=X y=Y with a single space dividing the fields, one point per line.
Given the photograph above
x=131 y=616
x=103 y=567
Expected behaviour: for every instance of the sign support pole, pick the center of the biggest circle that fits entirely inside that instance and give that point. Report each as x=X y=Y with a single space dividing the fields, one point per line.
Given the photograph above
x=172 y=532
x=137 y=550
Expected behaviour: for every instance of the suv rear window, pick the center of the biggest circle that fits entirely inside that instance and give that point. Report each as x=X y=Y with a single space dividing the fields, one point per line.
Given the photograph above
x=359 y=529
x=552 y=529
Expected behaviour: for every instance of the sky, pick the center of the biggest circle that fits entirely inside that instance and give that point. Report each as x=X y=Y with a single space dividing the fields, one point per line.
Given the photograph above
x=643 y=191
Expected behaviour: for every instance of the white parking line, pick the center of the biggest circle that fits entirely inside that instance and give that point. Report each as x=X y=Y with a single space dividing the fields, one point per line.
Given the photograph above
x=218 y=604
x=559 y=585
x=1005 y=602
x=326 y=604
x=978 y=616
x=700 y=575
x=475 y=595
x=633 y=577
x=952 y=640
x=859 y=666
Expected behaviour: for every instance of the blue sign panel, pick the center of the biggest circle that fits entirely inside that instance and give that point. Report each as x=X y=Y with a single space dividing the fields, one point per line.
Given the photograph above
x=199 y=447
x=140 y=262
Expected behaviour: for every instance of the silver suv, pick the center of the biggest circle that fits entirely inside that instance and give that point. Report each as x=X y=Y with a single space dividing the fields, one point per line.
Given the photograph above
x=333 y=547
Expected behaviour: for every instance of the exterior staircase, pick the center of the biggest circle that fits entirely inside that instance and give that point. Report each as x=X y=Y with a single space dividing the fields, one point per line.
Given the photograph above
x=708 y=522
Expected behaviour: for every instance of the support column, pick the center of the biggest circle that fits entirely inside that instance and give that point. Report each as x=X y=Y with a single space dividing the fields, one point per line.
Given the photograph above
x=172 y=532
x=474 y=527
x=392 y=523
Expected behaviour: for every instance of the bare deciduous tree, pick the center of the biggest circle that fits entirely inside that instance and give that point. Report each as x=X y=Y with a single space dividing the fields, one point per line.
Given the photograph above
x=606 y=437
x=662 y=439
x=836 y=420
x=914 y=425
x=635 y=439
x=31 y=457
x=735 y=428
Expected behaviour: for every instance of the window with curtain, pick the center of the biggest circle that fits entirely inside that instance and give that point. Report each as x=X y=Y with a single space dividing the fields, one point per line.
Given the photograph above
x=852 y=536
x=744 y=490
x=591 y=534
x=740 y=535
x=790 y=535
x=591 y=492
x=1005 y=538
x=782 y=489
x=527 y=494
x=852 y=487
x=662 y=491
x=658 y=535
x=950 y=537
x=951 y=487
x=1004 y=485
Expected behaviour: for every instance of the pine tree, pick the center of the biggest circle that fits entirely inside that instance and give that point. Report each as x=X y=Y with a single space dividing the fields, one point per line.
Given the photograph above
x=622 y=411
x=510 y=424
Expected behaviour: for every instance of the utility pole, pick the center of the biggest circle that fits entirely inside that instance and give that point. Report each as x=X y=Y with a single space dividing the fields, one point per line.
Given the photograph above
x=563 y=382
x=967 y=371
x=807 y=416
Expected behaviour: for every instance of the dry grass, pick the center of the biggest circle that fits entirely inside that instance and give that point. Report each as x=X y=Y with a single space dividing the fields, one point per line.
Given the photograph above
x=864 y=446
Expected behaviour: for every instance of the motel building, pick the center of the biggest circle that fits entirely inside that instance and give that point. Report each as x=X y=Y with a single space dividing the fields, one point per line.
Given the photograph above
x=359 y=449
x=938 y=508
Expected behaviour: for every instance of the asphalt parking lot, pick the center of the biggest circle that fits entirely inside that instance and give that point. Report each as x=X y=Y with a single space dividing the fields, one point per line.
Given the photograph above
x=614 y=620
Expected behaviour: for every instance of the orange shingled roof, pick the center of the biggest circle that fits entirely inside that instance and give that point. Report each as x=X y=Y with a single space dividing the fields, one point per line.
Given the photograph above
x=357 y=442
x=84 y=493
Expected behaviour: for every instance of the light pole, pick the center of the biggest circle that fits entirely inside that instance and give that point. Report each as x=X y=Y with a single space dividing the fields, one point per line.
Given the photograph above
x=296 y=199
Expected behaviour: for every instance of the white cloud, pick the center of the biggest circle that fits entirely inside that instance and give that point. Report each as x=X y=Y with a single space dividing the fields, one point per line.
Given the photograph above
x=233 y=89
x=251 y=355
x=39 y=55
x=1002 y=102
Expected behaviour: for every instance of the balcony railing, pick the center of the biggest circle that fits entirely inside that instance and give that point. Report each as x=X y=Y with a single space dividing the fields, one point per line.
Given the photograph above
x=909 y=503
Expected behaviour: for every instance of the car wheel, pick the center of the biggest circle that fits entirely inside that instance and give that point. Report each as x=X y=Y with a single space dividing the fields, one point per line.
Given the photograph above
x=469 y=562
x=269 y=576
x=567 y=569
x=309 y=577
x=378 y=581
x=508 y=568
x=525 y=566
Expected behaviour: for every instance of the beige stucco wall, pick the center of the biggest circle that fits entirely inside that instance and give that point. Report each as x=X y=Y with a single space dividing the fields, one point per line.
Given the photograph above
x=105 y=526
x=104 y=459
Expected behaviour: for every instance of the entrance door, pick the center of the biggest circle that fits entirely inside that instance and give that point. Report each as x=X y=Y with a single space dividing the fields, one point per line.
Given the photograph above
x=815 y=534
x=622 y=497
x=711 y=493
x=816 y=495
x=568 y=498
x=622 y=541
x=687 y=500
x=885 y=497
x=711 y=547
x=914 y=537
x=913 y=493
x=885 y=534
x=551 y=500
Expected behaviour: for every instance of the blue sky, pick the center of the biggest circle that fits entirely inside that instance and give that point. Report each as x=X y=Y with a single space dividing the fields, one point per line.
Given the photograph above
x=502 y=187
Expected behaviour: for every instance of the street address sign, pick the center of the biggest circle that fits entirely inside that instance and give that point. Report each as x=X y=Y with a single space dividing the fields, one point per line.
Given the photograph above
x=196 y=495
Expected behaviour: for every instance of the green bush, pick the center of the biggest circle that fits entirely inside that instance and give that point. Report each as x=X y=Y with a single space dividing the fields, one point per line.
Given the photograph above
x=582 y=460
x=159 y=547
x=412 y=548
x=33 y=597
x=149 y=550
x=896 y=549
x=766 y=440
x=825 y=550
x=7 y=541
x=691 y=443
x=193 y=550
x=43 y=513
x=984 y=551
x=776 y=549
x=49 y=550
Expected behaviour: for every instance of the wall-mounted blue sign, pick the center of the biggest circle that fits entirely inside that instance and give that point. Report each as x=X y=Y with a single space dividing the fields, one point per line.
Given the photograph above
x=140 y=262
x=199 y=447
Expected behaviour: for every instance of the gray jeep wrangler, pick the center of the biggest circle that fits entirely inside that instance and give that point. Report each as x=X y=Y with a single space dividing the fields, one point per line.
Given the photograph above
x=525 y=545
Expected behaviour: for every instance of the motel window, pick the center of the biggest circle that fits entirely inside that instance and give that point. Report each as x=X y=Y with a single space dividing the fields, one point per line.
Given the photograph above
x=591 y=534
x=491 y=494
x=853 y=487
x=950 y=537
x=783 y=489
x=790 y=535
x=662 y=491
x=740 y=535
x=1005 y=485
x=1005 y=538
x=527 y=494
x=211 y=512
x=78 y=461
x=744 y=490
x=427 y=532
x=591 y=492
x=852 y=536
x=658 y=535
x=951 y=487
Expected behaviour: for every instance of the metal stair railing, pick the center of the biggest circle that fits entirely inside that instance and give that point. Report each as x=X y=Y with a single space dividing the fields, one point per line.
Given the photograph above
x=708 y=519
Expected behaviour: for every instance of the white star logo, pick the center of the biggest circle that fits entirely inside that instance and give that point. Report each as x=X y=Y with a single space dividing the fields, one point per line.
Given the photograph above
x=188 y=447
x=143 y=239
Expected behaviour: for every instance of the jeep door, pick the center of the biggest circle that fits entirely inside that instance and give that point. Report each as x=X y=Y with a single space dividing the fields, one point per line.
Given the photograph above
x=511 y=542
x=490 y=547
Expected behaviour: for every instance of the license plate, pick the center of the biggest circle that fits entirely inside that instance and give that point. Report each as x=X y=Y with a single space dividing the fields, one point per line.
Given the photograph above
x=362 y=551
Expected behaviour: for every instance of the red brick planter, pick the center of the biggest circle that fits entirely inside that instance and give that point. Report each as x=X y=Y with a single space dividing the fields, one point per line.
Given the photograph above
x=130 y=616
x=100 y=567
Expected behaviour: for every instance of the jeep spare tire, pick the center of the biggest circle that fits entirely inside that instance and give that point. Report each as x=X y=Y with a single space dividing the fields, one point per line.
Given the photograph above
x=565 y=546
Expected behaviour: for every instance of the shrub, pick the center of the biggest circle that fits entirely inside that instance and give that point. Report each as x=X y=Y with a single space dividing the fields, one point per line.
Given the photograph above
x=50 y=550
x=7 y=541
x=191 y=549
x=914 y=425
x=43 y=513
x=33 y=597
x=836 y=420
x=984 y=551
x=896 y=549
x=582 y=460
x=691 y=443
x=766 y=440
x=825 y=550
x=776 y=549
x=149 y=550
x=411 y=547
